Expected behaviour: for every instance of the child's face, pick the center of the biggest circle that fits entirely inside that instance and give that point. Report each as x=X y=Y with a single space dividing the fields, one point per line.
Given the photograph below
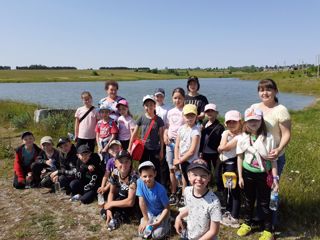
x=253 y=125
x=159 y=99
x=66 y=147
x=211 y=114
x=190 y=119
x=198 y=178
x=178 y=100
x=114 y=149
x=47 y=147
x=104 y=113
x=149 y=106
x=233 y=126
x=123 y=110
x=148 y=177
x=87 y=101
x=193 y=86
x=28 y=140
x=124 y=166
x=84 y=157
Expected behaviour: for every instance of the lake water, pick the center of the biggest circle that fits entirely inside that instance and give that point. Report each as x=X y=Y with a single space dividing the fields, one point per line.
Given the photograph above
x=226 y=93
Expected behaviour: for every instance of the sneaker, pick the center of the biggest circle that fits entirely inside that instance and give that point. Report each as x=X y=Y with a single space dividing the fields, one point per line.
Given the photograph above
x=173 y=200
x=75 y=198
x=230 y=222
x=181 y=202
x=266 y=235
x=113 y=224
x=243 y=230
x=225 y=215
x=103 y=214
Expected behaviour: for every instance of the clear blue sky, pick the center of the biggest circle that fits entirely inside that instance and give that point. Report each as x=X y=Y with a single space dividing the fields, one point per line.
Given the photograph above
x=166 y=33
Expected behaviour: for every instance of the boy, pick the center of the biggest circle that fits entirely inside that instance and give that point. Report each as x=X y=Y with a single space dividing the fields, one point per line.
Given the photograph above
x=25 y=155
x=202 y=206
x=153 y=202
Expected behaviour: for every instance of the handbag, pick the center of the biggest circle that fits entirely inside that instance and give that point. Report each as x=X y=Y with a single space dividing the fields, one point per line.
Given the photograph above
x=138 y=144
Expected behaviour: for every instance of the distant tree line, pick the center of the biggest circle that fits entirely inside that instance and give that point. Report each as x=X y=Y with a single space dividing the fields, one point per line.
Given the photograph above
x=5 y=68
x=43 y=67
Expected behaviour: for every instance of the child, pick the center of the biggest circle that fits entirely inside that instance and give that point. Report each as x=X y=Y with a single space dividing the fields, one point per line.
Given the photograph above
x=153 y=148
x=114 y=149
x=228 y=158
x=85 y=122
x=89 y=174
x=106 y=131
x=254 y=163
x=174 y=121
x=202 y=205
x=122 y=195
x=153 y=202
x=126 y=123
x=193 y=97
x=25 y=155
x=46 y=163
x=187 y=143
x=161 y=107
x=210 y=140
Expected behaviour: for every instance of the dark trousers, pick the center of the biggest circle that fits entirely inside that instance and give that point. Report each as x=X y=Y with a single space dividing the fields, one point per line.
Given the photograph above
x=16 y=184
x=213 y=161
x=36 y=168
x=77 y=187
x=153 y=156
x=256 y=188
x=65 y=182
x=90 y=142
x=125 y=144
x=184 y=167
x=233 y=201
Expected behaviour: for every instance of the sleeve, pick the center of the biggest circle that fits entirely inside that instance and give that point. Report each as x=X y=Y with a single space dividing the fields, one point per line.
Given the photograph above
x=283 y=114
x=239 y=149
x=114 y=128
x=204 y=102
x=18 y=168
x=77 y=113
x=97 y=128
x=132 y=124
x=215 y=211
x=113 y=178
x=164 y=197
x=139 y=192
x=139 y=121
x=160 y=122
x=195 y=132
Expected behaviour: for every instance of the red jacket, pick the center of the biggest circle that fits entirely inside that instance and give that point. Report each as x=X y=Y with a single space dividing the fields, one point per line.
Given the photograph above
x=18 y=167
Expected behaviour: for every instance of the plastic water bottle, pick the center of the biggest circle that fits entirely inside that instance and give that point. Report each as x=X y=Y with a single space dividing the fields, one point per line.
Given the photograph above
x=171 y=145
x=148 y=232
x=100 y=199
x=57 y=187
x=178 y=177
x=274 y=200
x=28 y=180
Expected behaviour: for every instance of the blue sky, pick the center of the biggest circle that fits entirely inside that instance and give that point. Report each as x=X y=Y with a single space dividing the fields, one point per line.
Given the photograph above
x=166 y=33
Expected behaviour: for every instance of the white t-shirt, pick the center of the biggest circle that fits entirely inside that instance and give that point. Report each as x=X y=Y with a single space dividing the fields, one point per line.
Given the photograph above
x=125 y=125
x=175 y=120
x=201 y=212
x=225 y=155
x=88 y=124
x=162 y=112
x=186 y=134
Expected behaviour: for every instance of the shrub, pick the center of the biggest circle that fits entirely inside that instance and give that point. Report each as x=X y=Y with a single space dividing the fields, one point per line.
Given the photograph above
x=57 y=125
x=22 y=120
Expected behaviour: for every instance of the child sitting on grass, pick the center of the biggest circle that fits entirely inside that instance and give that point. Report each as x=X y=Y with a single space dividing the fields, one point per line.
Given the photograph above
x=202 y=205
x=153 y=202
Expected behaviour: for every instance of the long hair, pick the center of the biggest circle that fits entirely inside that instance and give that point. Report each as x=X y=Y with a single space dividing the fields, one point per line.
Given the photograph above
x=268 y=83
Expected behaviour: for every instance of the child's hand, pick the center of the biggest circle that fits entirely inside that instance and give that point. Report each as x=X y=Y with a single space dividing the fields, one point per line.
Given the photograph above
x=53 y=174
x=100 y=190
x=273 y=154
x=176 y=161
x=49 y=162
x=91 y=168
x=142 y=226
x=109 y=216
x=241 y=183
x=166 y=140
x=275 y=186
x=178 y=225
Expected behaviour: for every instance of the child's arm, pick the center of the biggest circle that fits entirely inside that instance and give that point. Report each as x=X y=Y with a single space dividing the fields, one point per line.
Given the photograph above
x=113 y=137
x=162 y=216
x=176 y=151
x=133 y=136
x=194 y=143
x=18 y=169
x=76 y=128
x=275 y=185
x=144 y=211
x=98 y=141
x=125 y=203
x=165 y=136
x=225 y=145
x=213 y=231
x=104 y=183
x=178 y=225
x=239 y=163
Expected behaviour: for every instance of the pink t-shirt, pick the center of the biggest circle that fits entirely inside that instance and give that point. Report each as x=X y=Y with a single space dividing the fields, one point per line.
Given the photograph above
x=125 y=125
x=174 y=120
x=105 y=129
x=88 y=124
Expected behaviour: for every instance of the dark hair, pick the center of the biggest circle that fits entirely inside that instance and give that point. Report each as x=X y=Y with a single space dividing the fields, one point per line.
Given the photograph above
x=261 y=131
x=179 y=90
x=268 y=83
x=112 y=83
x=86 y=93
x=195 y=79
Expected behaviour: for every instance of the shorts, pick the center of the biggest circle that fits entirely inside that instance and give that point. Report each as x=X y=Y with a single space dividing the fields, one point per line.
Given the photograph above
x=170 y=156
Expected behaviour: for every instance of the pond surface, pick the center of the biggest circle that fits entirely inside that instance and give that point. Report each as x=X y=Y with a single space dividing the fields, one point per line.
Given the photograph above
x=226 y=93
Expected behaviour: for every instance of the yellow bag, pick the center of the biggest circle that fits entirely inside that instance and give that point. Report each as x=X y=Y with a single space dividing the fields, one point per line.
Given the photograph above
x=229 y=180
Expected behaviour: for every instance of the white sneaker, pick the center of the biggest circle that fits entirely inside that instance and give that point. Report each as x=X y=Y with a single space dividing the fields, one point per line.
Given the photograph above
x=75 y=198
x=230 y=222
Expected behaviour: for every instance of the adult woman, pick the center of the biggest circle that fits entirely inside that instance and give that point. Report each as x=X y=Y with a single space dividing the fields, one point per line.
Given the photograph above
x=112 y=98
x=276 y=117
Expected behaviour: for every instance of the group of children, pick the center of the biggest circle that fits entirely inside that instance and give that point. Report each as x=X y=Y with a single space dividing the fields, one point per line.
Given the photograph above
x=192 y=141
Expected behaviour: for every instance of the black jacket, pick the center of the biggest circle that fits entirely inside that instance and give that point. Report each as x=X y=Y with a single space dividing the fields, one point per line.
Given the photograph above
x=214 y=137
x=68 y=162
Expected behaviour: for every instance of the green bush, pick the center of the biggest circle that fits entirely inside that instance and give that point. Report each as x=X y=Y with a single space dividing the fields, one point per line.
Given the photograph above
x=56 y=125
x=22 y=120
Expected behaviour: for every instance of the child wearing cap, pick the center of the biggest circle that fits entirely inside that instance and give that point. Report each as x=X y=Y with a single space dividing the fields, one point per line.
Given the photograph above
x=106 y=131
x=203 y=210
x=120 y=205
x=228 y=157
x=47 y=162
x=153 y=148
x=193 y=96
x=255 y=163
x=210 y=139
x=153 y=202
x=161 y=108
x=86 y=118
x=25 y=155
x=88 y=176
x=126 y=123
x=187 y=143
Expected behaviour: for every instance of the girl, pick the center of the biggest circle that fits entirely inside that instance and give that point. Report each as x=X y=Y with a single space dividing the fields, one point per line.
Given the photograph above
x=126 y=123
x=174 y=121
x=187 y=143
x=153 y=148
x=85 y=122
x=228 y=157
x=254 y=163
